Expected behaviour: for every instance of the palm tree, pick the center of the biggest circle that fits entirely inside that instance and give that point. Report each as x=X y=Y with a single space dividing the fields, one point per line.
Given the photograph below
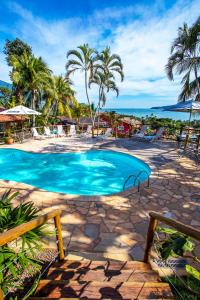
x=83 y=60
x=104 y=76
x=105 y=82
x=185 y=60
x=59 y=97
x=15 y=260
x=110 y=63
x=29 y=75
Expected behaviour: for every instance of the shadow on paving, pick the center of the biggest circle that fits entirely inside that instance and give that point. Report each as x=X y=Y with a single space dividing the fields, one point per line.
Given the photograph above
x=115 y=226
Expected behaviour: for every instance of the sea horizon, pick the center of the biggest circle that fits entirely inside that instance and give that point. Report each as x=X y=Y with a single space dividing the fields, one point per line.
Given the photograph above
x=143 y=112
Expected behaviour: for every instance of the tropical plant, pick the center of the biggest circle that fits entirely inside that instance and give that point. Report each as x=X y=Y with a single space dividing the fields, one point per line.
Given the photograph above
x=173 y=243
x=20 y=256
x=7 y=99
x=29 y=75
x=83 y=60
x=105 y=82
x=110 y=63
x=16 y=47
x=185 y=60
x=60 y=97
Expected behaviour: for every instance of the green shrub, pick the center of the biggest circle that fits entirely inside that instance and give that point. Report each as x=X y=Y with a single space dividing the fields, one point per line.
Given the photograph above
x=18 y=256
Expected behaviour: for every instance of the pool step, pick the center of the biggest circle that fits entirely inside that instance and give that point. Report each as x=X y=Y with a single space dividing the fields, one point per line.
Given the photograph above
x=101 y=280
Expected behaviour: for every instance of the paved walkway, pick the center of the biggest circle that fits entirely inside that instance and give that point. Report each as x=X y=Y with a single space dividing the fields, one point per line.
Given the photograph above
x=115 y=226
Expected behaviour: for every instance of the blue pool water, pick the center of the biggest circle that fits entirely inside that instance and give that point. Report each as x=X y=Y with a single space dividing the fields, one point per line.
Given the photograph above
x=94 y=172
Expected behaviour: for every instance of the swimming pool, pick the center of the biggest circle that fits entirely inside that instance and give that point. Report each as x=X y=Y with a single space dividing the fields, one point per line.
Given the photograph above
x=93 y=172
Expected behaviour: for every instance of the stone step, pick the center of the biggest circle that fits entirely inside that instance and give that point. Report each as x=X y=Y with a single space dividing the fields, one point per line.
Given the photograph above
x=58 y=289
x=109 y=265
x=114 y=275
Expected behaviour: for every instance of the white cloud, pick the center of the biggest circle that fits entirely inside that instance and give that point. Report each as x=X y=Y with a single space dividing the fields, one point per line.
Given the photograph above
x=139 y=34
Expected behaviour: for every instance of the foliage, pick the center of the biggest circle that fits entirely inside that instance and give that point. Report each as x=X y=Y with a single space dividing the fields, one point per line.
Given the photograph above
x=185 y=60
x=15 y=259
x=60 y=97
x=98 y=68
x=83 y=60
x=29 y=75
x=16 y=47
x=180 y=287
x=176 y=244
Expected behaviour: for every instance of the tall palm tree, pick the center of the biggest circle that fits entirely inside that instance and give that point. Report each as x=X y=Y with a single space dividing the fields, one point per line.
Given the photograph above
x=185 y=60
x=83 y=60
x=108 y=66
x=105 y=82
x=29 y=75
x=59 y=97
x=110 y=63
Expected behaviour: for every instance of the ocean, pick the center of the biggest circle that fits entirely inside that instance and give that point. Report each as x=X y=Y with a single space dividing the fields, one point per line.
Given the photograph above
x=143 y=112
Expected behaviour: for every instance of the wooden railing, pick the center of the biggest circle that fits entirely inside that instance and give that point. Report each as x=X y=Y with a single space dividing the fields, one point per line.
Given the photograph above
x=154 y=218
x=18 y=231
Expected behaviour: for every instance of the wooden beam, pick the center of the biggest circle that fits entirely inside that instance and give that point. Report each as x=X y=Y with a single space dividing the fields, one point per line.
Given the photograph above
x=154 y=218
x=18 y=231
x=59 y=237
x=186 y=229
x=1 y=295
x=150 y=236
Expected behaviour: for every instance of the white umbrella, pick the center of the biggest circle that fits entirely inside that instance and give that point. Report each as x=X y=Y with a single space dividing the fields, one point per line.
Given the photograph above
x=20 y=110
x=187 y=106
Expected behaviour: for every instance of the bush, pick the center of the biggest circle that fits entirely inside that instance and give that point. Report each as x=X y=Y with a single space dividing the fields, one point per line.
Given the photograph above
x=18 y=257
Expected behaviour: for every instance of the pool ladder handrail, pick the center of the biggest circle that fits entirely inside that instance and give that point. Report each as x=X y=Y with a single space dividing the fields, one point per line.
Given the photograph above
x=137 y=178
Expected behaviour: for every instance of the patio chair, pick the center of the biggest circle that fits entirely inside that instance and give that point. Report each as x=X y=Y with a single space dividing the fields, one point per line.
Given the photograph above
x=106 y=135
x=36 y=135
x=72 y=131
x=88 y=132
x=48 y=132
x=141 y=132
x=60 y=131
x=157 y=136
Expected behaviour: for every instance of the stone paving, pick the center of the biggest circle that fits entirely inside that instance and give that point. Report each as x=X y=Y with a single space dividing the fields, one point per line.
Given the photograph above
x=115 y=226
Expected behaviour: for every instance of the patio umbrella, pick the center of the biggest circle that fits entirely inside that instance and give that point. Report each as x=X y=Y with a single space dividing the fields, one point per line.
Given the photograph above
x=187 y=106
x=20 y=110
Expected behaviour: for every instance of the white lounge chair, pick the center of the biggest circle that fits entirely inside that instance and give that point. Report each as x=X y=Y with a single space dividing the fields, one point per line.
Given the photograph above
x=106 y=135
x=36 y=135
x=60 y=131
x=141 y=132
x=72 y=131
x=48 y=132
x=88 y=132
x=157 y=136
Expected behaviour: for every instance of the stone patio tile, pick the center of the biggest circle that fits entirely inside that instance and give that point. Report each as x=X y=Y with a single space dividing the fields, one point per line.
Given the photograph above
x=137 y=253
x=91 y=230
x=116 y=225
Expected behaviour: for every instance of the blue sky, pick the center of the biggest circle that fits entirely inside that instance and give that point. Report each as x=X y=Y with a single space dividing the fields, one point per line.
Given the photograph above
x=139 y=31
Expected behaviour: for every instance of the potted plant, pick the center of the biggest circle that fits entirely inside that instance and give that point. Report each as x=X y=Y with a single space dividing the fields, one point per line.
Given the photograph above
x=8 y=137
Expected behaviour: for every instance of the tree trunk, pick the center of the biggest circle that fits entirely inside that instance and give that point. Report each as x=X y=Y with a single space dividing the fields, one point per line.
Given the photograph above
x=197 y=82
x=33 y=106
x=88 y=99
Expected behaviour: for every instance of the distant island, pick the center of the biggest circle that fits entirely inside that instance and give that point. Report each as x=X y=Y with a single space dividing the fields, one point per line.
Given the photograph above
x=5 y=84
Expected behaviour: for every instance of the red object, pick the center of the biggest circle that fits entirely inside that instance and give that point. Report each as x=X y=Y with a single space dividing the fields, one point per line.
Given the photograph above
x=9 y=118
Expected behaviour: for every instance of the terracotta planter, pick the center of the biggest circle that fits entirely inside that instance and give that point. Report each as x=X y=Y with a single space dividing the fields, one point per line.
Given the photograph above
x=9 y=141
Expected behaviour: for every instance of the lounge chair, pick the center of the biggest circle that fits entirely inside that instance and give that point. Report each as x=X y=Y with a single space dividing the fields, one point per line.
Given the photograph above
x=48 y=132
x=36 y=135
x=141 y=133
x=60 y=131
x=106 y=135
x=157 y=136
x=88 y=132
x=72 y=131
